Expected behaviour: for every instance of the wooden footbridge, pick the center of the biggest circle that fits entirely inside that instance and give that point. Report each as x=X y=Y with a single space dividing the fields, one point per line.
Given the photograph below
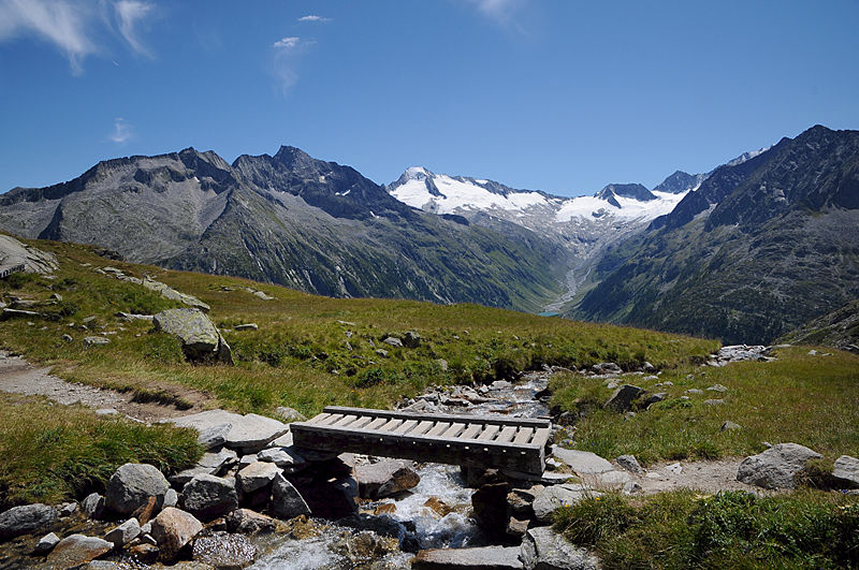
x=517 y=444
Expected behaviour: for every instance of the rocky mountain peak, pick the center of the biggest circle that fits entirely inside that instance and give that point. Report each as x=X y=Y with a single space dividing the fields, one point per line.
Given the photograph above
x=680 y=182
x=611 y=192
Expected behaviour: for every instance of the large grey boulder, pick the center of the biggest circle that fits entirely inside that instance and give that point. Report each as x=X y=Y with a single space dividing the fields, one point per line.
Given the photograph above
x=76 y=550
x=286 y=501
x=777 y=467
x=386 y=478
x=246 y=521
x=479 y=558
x=15 y=253
x=46 y=544
x=172 y=529
x=544 y=549
x=26 y=519
x=247 y=434
x=582 y=462
x=208 y=497
x=551 y=498
x=132 y=485
x=201 y=341
x=623 y=398
x=846 y=471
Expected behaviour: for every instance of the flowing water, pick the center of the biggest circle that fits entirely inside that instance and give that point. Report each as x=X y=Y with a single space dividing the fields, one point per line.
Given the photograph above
x=445 y=526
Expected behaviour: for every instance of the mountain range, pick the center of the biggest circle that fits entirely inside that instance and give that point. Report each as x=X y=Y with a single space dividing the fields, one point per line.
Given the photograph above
x=745 y=252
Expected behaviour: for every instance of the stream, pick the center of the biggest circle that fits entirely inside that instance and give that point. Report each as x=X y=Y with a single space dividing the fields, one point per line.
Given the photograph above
x=423 y=526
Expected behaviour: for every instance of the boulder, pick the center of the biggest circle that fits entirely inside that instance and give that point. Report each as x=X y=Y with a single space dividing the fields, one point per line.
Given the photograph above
x=582 y=462
x=393 y=341
x=76 y=550
x=286 y=414
x=544 y=549
x=132 y=485
x=718 y=388
x=654 y=398
x=96 y=340
x=846 y=471
x=171 y=498
x=777 y=467
x=201 y=341
x=246 y=521
x=630 y=463
x=606 y=368
x=549 y=499
x=623 y=398
x=729 y=426
x=214 y=436
x=714 y=402
x=123 y=534
x=93 y=505
x=256 y=476
x=247 y=434
x=208 y=497
x=224 y=551
x=285 y=458
x=386 y=478
x=286 y=501
x=479 y=558
x=491 y=509
x=411 y=339
x=46 y=544
x=26 y=519
x=172 y=529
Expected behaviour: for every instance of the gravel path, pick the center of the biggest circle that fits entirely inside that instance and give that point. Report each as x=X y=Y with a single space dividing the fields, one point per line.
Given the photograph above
x=17 y=376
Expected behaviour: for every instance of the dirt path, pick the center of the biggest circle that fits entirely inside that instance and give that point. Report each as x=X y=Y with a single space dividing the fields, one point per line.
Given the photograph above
x=17 y=376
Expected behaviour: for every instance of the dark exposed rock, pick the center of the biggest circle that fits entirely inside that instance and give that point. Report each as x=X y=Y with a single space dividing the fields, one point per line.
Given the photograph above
x=26 y=519
x=386 y=478
x=246 y=521
x=207 y=497
x=286 y=501
x=624 y=397
x=132 y=485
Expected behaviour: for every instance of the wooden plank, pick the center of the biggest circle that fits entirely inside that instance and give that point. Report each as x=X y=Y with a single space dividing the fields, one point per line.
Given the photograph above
x=375 y=423
x=450 y=418
x=488 y=433
x=438 y=429
x=390 y=425
x=471 y=431
x=406 y=426
x=507 y=434
x=541 y=437
x=523 y=435
x=453 y=431
x=423 y=427
x=331 y=420
x=361 y=422
x=344 y=421
x=318 y=419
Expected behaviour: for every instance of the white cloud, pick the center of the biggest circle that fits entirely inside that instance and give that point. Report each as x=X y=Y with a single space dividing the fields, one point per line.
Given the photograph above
x=74 y=26
x=130 y=13
x=287 y=54
x=501 y=12
x=122 y=131
x=287 y=43
x=64 y=24
x=314 y=18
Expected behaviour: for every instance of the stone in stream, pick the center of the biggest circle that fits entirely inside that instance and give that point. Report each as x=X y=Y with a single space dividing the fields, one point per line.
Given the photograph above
x=123 y=534
x=77 y=549
x=286 y=501
x=544 y=549
x=46 y=544
x=26 y=519
x=208 y=497
x=246 y=521
x=491 y=510
x=93 y=505
x=172 y=529
x=132 y=485
x=480 y=558
x=201 y=341
x=777 y=467
x=386 y=478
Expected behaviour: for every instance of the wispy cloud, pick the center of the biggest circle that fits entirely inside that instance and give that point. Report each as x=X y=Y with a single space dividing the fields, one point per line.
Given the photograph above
x=74 y=27
x=122 y=131
x=314 y=18
x=287 y=53
x=62 y=23
x=501 y=12
x=287 y=43
x=130 y=14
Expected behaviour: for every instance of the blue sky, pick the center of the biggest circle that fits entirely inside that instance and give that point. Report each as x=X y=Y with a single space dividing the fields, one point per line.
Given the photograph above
x=562 y=96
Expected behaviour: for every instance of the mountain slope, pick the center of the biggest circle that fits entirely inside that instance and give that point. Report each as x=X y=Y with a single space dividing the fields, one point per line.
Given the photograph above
x=758 y=249
x=289 y=219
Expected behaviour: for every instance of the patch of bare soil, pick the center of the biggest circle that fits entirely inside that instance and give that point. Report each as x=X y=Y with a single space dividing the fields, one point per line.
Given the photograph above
x=17 y=376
